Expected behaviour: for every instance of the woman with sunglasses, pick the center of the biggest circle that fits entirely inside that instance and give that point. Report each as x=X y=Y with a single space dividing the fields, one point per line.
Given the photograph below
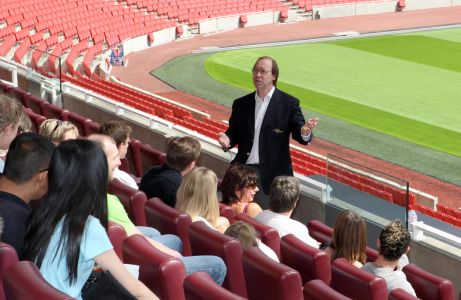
x=239 y=189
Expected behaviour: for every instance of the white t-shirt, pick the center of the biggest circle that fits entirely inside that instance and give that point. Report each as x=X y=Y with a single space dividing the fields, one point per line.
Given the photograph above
x=284 y=225
x=268 y=251
x=125 y=178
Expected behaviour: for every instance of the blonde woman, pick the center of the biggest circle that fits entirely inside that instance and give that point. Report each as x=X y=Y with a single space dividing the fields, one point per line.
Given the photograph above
x=197 y=196
x=58 y=131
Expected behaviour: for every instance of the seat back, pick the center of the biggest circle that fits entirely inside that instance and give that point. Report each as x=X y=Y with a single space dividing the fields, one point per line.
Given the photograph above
x=356 y=283
x=399 y=294
x=23 y=281
x=267 y=279
x=8 y=257
x=318 y=290
x=117 y=235
x=161 y=273
x=143 y=157
x=268 y=235
x=33 y=102
x=80 y=122
x=207 y=241
x=319 y=231
x=311 y=263
x=168 y=220
x=200 y=286
x=227 y=212
x=36 y=119
x=133 y=201
x=428 y=285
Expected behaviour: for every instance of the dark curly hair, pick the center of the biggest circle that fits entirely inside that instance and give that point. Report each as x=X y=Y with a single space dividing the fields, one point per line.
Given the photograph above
x=394 y=240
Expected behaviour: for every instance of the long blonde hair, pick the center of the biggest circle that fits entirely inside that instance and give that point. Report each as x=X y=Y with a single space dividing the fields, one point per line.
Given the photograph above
x=197 y=195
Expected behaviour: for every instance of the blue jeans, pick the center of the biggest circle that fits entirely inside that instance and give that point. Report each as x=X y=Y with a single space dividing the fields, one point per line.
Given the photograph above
x=170 y=240
x=213 y=265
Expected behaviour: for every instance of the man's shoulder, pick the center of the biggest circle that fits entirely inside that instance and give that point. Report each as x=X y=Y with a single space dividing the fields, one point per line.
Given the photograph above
x=279 y=94
x=245 y=99
x=8 y=200
x=161 y=173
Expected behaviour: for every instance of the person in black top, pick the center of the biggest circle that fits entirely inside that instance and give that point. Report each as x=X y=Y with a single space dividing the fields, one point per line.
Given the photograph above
x=24 y=179
x=163 y=181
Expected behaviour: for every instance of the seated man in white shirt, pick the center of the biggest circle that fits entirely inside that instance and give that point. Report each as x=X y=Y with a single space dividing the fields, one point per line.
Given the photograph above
x=283 y=198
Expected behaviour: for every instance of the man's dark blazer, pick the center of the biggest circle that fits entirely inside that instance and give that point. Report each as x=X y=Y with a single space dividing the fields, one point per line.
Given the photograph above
x=283 y=117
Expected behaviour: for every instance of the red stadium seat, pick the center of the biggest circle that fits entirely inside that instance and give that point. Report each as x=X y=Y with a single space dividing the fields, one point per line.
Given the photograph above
x=399 y=294
x=207 y=241
x=117 y=235
x=168 y=220
x=200 y=286
x=23 y=281
x=227 y=212
x=161 y=273
x=356 y=283
x=267 y=279
x=133 y=201
x=311 y=263
x=318 y=290
x=8 y=257
x=428 y=285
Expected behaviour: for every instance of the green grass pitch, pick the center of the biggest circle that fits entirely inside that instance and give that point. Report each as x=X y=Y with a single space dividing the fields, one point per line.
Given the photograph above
x=407 y=86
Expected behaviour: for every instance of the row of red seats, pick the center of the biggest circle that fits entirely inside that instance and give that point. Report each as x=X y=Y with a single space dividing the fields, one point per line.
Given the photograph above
x=308 y=4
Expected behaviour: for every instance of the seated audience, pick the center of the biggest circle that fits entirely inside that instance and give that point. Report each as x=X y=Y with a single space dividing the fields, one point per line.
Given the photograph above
x=121 y=134
x=58 y=131
x=67 y=233
x=169 y=244
x=11 y=112
x=163 y=182
x=394 y=242
x=239 y=188
x=283 y=198
x=248 y=237
x=25 y=179
x=349 y=239
x=197 y=196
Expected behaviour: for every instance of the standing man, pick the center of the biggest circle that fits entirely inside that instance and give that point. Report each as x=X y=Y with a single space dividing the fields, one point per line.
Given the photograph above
x=261 y=124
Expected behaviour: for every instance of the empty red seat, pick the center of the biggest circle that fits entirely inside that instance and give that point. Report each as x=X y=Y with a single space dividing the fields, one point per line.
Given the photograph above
x=318 y=290
x=168 y=220
x=267 y=279
x=428 y=285
x=311 y=263
x=23 y=281
x=200 y=286
x=356 y=283
x=207 y=241
x=133 y=201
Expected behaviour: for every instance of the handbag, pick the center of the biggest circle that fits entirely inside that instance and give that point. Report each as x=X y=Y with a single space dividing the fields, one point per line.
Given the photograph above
x=103 y=285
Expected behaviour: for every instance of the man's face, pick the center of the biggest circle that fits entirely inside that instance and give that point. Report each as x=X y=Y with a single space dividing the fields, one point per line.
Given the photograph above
x=7 y=135
x=262 y=75
x=123 y=148
x=113 y=159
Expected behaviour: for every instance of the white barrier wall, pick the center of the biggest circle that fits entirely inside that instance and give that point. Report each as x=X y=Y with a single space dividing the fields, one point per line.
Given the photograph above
x=233 y=22
x=140 y=43
x=418 y=4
